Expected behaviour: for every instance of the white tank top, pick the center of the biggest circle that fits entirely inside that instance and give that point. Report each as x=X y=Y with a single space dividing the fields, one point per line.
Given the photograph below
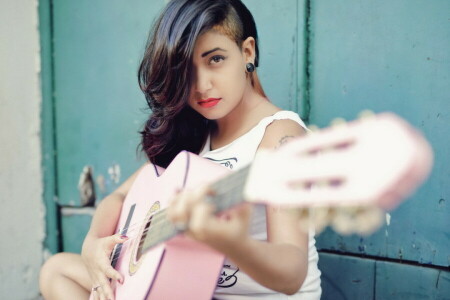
x=234 y=284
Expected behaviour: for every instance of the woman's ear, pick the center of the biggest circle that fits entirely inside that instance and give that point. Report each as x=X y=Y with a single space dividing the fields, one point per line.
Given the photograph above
x=248 y=49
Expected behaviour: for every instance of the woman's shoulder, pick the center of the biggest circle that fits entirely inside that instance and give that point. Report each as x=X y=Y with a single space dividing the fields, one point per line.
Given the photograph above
x=270 y=114
x=282 y=126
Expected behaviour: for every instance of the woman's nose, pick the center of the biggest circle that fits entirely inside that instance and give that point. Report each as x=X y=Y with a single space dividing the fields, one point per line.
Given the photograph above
x=202 y=81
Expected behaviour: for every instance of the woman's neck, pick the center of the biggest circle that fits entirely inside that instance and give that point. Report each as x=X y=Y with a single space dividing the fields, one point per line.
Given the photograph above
x=250 y=110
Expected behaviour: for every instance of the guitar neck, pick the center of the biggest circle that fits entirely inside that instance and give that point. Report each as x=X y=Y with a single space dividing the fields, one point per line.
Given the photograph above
x=227 y=192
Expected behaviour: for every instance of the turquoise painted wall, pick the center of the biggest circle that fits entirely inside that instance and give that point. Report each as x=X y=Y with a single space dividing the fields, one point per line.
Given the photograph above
x=323 y=59
x=390 y=55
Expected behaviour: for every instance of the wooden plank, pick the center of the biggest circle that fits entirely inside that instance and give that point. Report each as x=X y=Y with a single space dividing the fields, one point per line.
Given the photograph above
x=51 y=242
x=389 y=56
x=346 y=277
x=398 y=281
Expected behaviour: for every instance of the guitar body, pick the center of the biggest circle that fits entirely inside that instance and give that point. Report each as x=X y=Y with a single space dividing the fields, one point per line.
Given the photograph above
x=179 y=268
x=347 y=174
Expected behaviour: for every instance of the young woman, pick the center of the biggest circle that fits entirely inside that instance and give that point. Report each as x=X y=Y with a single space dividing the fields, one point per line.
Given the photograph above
x=199 y=78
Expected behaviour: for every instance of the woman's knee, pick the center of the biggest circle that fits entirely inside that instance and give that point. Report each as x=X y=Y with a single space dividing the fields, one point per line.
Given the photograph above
x=63 y=272
x=54 y=267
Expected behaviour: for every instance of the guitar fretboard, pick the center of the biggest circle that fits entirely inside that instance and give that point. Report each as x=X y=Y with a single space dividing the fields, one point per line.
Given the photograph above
x=227 y=192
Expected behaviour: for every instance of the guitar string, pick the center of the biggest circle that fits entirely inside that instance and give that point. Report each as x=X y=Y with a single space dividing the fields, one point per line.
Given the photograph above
x=163 y=234
x=217 y=191
x=252 y=225
x=256 y=222
x=155 y=226
x=159 y=217
x=158 y=230
x=156 y=219
x=164 y=223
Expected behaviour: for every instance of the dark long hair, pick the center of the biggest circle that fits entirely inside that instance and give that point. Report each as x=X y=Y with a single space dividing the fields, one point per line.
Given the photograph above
x=165 y=72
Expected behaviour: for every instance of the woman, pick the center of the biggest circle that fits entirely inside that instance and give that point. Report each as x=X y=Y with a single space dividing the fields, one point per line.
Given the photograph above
x=198 y=75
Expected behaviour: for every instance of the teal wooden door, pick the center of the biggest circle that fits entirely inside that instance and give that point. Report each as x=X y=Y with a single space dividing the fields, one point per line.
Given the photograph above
x=99 y=108
x=323 y=59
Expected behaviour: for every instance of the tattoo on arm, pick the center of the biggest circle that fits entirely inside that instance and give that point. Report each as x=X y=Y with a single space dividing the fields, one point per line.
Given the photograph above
x=284 y=140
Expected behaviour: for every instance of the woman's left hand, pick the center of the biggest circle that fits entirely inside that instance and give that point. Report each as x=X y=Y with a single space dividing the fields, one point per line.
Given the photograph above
x=190 y=211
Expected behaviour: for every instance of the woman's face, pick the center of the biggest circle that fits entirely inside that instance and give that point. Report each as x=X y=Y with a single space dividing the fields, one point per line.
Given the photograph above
x=219 y=78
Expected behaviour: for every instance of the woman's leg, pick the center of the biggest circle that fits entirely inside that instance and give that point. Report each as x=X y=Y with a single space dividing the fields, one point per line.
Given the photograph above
x=64 y=276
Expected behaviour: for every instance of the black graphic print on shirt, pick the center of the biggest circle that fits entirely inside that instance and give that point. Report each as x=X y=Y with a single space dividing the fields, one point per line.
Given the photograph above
x=228 y=277
x=227 y=162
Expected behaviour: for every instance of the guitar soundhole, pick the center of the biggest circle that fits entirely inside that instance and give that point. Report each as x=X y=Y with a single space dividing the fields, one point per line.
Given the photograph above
x=138 y=252
x=143 y=237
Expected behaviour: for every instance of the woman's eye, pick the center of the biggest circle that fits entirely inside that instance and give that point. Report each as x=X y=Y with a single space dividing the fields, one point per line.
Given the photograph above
x=216 y=59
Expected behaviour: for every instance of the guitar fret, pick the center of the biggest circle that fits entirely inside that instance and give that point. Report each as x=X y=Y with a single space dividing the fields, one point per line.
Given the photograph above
x=228 y=191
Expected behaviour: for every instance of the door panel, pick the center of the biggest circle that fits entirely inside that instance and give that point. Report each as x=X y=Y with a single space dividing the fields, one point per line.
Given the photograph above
x=99 y=107
x=389 y=56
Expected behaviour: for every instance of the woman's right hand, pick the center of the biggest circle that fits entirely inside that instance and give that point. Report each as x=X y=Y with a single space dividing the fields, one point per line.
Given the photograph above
x=96 y=254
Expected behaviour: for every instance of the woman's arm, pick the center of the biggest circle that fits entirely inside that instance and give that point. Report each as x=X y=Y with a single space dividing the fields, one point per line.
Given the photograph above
x=281 y=263
x=100 y=240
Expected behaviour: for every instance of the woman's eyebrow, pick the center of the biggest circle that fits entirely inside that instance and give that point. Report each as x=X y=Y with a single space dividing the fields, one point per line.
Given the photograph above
x=211 y=51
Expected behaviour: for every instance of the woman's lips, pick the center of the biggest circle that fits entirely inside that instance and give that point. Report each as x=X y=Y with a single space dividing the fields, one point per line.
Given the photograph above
x=210 y=102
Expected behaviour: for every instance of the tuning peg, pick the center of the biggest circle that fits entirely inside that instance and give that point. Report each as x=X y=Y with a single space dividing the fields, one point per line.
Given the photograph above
x=313 y=128
x=357 y=219
x=338 y=122
x=303 y=216
x=366 y=114
x=368 y=220
x=321 y=217
x=343 y=221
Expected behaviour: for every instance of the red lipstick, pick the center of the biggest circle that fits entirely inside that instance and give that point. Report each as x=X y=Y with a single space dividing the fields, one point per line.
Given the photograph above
x=210 y=102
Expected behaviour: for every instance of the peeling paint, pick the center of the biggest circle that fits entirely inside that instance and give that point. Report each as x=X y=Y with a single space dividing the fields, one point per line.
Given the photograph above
x=114 y=173
x=71 y=211
x=101 y=183
x=400 y=253
x=86 y=187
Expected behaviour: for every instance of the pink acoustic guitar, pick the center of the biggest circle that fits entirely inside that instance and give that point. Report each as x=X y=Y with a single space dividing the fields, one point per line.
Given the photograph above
x=348 y=174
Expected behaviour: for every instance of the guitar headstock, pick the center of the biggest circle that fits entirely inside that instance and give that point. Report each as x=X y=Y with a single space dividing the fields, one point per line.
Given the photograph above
x=352 y=169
